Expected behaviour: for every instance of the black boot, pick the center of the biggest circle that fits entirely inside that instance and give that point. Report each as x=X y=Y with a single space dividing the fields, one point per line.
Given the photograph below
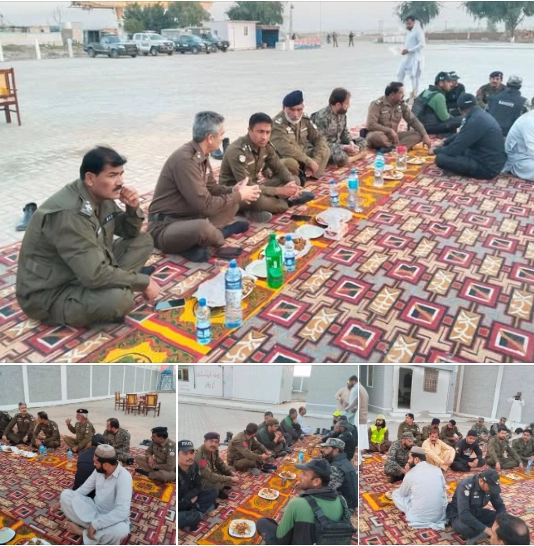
x=28 y=211
x=318 y=431
x=219 y=154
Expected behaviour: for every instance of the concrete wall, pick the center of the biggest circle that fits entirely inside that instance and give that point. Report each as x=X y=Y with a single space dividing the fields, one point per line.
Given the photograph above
x=324 y=382
x=478 y=389
x=44 y=383
x=380 y=394
x=28 y=38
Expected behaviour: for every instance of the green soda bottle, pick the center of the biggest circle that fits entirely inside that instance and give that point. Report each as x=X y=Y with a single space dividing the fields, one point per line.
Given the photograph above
x=274 y=261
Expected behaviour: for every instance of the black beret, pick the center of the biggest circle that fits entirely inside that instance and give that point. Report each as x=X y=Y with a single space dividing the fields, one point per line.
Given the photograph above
x=293 y=99
x=157 y=430
x=212 y=436
x=82 y=411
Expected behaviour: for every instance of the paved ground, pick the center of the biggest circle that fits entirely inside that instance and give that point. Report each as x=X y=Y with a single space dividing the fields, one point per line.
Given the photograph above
x=144 y=107
x=99 y=411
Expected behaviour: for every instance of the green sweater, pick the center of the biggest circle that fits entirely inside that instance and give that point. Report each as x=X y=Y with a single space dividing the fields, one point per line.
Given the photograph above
x=438 y=103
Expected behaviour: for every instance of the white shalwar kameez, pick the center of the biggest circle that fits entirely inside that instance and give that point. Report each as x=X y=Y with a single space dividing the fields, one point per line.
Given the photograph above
x=519 y=147
x=412 y=62
x=514 y=419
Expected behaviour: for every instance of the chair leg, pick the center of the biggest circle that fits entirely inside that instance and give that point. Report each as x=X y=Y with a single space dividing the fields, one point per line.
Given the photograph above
x=18 y=113
x=8 y=114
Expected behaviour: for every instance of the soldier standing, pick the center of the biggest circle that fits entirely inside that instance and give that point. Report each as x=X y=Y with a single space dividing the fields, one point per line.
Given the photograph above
x=494 y=87
x=351 y=39
x=119 y=438
x=83 y=429
x=49 y=431
x=25 y=425
x=214 y=471
x=410 y=426
x=245 y=452
x=501 y=455
x=334 y=39
x=301 y=146
x=396 y=465
x=159 y=463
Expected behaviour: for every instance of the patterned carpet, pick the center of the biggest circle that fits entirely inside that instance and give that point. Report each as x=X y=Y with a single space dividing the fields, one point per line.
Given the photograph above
x=244 y=503
x=29 y=487
x=437 y=269
x=380 y=522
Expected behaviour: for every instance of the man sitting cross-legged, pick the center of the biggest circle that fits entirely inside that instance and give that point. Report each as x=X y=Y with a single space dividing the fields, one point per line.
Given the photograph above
x=46 y=432
x=465 y=449
x=246 y=453
x=159 y=462
x=437 y=452
x=119 y=438
x=379 y=435
x=273 y=439
x=500 y=452
x=396 y=465
x=524 y=446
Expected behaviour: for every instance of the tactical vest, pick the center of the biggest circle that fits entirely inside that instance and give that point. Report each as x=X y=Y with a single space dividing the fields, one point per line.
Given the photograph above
x=378 y=435
x=328 y=531
x=349 y=487
x=422 y=111
x=506 y=107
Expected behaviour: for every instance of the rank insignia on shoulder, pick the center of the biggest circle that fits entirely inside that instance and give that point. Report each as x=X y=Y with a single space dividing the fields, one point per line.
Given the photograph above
x=86 y=209
x=242 y=158
x=278 y=121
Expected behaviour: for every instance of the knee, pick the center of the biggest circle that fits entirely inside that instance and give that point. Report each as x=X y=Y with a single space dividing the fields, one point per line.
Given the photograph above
x=66 y=496
x=120 y=302
x=377 y=139
x=145 y=242
x=292 y=165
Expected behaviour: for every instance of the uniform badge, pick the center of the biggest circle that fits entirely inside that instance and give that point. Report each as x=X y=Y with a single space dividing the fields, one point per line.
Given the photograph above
x=242 y=158
x=245 y=444
x=86 y=209
x=278 y=121
x=289 y=130
x=198 y=155
x=466 y=493
x=202 y=463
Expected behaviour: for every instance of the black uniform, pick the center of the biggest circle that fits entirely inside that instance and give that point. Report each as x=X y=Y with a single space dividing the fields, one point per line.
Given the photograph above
x=452 y=99
x=477 y=150
x=349 y=487
x=463 y=456
x=5 y=419
x=506 y=107
x=189 y=487
x=84 y=468
x=466 y=510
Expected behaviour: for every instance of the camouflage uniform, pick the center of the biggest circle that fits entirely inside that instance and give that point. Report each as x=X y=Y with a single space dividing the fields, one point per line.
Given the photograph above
x=51 y=431
x=243 y=453
x=480 y=430
x=121 y=442
x=334 y=128
x=5 y=419
x=397 y=459
x=495 y=454
x=25 y=426
x=214 y=471
x=165 y=457
x=525 y=451
x=299 y=144
x=446 y=435
x=414 y=429
x=84 y=432
x=484 y=93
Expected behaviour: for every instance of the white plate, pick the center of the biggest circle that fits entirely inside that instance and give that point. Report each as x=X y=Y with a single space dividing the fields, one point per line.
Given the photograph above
x=388 y=167
x=263 y=496
x=28 y=454
x=257 y=268
x=36 y=541
x=213 y=290
x=6 y=534
x=300 y=253
x=325 y=218
x=309 y=231
x=397 y=176
x=250 y=534
x=286 y=478
x=416 y=161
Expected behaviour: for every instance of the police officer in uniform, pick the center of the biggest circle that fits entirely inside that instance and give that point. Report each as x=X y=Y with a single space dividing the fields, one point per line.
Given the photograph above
x=5 y=419
x=193 y=500
x=410 y=426
x=25 y=425
x=245 y=452
x=425 y=435
x=214 y=471
x=83 y=429
x=452 y=96
x=500 y=452
x=509 y=104
x=159 y=463
x=466 y=511
x=49 y=429
x=494 y=87
x=71 y=270
x=250 y=157
x=301 y=146
x=119 y=438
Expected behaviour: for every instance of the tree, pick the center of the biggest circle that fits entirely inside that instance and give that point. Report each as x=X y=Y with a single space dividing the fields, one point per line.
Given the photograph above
x=152 y=17
x=187 y=14
x=57 y=15
x=132 y=26
x=509 y=13
x=266 y=13
x=424 y=12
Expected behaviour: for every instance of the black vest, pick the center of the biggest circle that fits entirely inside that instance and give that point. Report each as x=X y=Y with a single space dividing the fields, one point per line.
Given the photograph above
x=506 y=107
x=422 y=111
x=349 y=487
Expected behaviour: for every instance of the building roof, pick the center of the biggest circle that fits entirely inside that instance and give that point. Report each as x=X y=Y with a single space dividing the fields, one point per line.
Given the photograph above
x=233 y=21
x=268 y=27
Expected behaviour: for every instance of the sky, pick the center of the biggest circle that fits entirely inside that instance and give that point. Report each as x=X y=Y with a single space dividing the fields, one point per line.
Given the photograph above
x=307 y=16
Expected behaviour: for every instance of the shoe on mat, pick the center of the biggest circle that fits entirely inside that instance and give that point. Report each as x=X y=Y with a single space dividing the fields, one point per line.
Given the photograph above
x=388 y=495
x=28 y=211
x=267 y=470
x=317 y=431
x=255 y=471
x=235 y=228
x=130 y=461
x=474 y=540
x=142 y=472
x=222 y=494
x=396 y=479
x=304 y=197
x=260 y=216
x=196 y=254
x=270 y=465
x=386 y=149
x=145 y=443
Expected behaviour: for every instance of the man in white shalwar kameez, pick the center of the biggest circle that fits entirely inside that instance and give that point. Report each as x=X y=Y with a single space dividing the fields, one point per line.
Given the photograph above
x=412 y=64
x=514 y=419
x=422 y=496
x=519 y=147
x=106 y=519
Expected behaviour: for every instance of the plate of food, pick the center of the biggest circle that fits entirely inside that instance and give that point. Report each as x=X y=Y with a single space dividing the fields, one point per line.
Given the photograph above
x=6 y=534
x=326 y=217
x=309 y=231
x=242 y=528
x=287 y=475
x=7 y=449
x=388 y=168
x=37 y=541
x=302 y=245
x=214 y=293
x=28 y=454
x=257 y=268
x=416 y=161
x=393 y=175
x=268 y=494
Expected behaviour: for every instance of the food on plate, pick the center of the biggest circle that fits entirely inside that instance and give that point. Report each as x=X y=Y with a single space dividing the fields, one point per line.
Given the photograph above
x=287 y=475
x=416 y=161
x=248 y=285
x=395 y=175
x=269 y=493
x=241 y=528
x=299 y=242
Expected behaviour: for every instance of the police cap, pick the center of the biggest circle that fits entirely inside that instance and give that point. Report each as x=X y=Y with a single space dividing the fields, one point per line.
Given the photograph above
x=293 y=99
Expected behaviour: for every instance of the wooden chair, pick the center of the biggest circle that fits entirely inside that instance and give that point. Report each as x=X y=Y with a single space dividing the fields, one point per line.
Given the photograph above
x=9 y=101
x=132 y=403
x=119 y=402
x=152 y=404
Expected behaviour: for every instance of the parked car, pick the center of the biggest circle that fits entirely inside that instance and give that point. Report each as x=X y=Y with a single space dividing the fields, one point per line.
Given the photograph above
x=189 y=42
x=112 y=46
x=215 y=43
x=153 y=43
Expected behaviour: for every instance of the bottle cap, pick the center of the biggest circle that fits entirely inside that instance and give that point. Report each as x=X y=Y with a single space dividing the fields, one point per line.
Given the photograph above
x=332 y=181
x=202 y=302
x=233 y=263
x=288 y=238
x=353 y=171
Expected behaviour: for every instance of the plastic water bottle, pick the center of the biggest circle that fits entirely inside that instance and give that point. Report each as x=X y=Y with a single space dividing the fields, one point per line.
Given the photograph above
x=233 y=282
x=301 y=457
x=379 y=170
x=274 y=262
x=353 y=184
x=70 y=456
x=203 y=322
x=529 y=467
x=334 y=194
x=42 y=452
x=289 y=254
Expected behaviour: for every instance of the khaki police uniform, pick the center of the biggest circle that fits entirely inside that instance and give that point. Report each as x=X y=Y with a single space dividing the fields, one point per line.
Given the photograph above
x=497 y=449
x=382 y=117
x=165 y=456
x=120 y=442
x=244 y=453
x=299 y=144
x=71 y=270
x=447 y=435
x=25 y=425
x=50 y=430
x=242 y=160
x=524 y=449
x=189 y=207
x=413 y=428
x=84 y=432
x=214 y=471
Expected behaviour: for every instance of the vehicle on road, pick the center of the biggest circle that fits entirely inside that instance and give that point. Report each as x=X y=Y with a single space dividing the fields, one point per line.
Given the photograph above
x=112 y=46
x=214 y=43
x=191 y=43
x=152 y=43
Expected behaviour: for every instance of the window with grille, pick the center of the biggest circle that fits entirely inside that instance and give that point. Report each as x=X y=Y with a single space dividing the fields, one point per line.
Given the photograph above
x=370 y=375
x=431 y=380
x=183 y=374
x=245 y=31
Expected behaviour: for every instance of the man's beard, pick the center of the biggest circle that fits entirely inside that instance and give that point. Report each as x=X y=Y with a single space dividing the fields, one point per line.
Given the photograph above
x=412 y=464
x=100 y=470
x=329 y=457
x=293 y=122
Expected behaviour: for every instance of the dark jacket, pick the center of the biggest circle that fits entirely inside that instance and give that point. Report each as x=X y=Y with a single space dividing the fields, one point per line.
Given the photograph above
x=464 y=450
x=84 y=468
x=349 y=487
x=452 y=96
x=468 y=501
x=480 y=138
x=267 y=439
x=189 y=486
x=506 y=107
x=291 y=428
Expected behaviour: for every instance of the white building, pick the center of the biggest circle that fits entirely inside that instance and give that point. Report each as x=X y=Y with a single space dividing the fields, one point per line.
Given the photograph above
x=240 y=34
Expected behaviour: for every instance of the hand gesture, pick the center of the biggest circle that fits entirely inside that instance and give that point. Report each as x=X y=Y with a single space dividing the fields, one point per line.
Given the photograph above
x=265 y=456
x=350 y=149
x=91 y=532
x=427 y=142
x=151 y=291
x=404 y=52
x=394 y=136
x=313 y=166
x=241 y=183
x=68 y=421
x=288 y=191
x=130 y=197
x=234 y=479
x=152 y=463
x=249 y=194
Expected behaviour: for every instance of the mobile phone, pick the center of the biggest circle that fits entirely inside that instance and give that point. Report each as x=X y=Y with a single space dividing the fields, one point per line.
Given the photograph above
x=298 y=217
x=169 y=304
